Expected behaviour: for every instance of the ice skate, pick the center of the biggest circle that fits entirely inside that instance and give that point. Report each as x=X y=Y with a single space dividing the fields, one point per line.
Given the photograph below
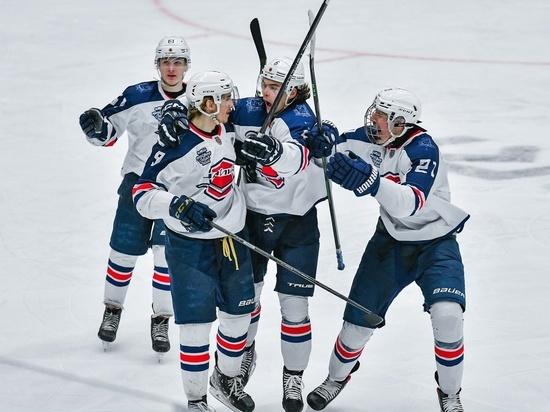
x=325 y=393
x=448 y=403
x=109 y=325
x=248 y=363
x=159 y=335
x=229 y=391
x=200 y=405
x=292 y=390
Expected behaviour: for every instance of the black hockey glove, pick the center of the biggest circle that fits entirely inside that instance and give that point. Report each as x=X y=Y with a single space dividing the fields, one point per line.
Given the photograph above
x=265 y=150
x=94 y=125
x=321 y=142
x=173 y=123
x=193 y=215
x=353 y=173
x=248 y=166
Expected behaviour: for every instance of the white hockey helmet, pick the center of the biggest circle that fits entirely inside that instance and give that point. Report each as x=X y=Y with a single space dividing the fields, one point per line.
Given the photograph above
x=278 y=68
x=402 y=108
x=209 y=83
x=173 y=47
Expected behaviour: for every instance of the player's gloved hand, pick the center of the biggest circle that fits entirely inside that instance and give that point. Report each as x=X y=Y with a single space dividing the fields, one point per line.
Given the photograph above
x=193 y=215
x=173 y=123
x=247 y=165
x=94 y=125
x=353 y=173
x=321 y=142
x=265 y=150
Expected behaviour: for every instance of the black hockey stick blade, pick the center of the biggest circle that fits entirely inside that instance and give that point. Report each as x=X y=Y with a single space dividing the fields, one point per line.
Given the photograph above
x=301 y=51
x=370 y=317
x=258 y=42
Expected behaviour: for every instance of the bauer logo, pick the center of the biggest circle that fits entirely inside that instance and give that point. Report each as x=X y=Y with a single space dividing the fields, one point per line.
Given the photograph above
x=246 y=302
x=452 y=291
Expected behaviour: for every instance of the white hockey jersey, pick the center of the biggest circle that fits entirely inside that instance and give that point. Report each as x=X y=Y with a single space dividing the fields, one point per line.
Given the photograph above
x=292 y=185
x=136 y=111
x=202 y=167
x=414 y=194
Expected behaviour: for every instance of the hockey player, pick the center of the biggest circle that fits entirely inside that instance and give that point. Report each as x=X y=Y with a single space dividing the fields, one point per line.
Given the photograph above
x=137 y=112
x=281 y=189
x=188 y=186
x=281 y=196
x=393 y=159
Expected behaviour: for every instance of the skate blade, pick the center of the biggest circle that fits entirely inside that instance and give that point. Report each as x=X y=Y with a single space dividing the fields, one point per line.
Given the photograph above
x=220 y=397
x=160 y=355
x=105 y=345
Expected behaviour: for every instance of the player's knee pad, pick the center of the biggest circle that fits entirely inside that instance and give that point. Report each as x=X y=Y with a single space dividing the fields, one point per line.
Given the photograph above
x=195 y=334
x=159 y=258
x=353 y=336
x=122 y=259
x=294 y=309
x=447 y=321
x=233 y=325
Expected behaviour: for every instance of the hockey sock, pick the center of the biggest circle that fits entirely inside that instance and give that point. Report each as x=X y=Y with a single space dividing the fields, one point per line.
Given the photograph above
x=255 y=315
x=295 y=331
x=195 y=358
x=231 y=341
x=447 y=324
x=348 y=348
x=162 y=298
x=119 y=274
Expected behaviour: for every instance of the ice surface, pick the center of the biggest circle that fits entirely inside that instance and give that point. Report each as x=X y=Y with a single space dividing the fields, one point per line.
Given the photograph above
x=482 y=72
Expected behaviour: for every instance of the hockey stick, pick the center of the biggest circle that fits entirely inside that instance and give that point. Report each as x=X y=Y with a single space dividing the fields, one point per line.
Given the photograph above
x=299 y=55
x=370 y=317
x=339 y=256
x=258 y=42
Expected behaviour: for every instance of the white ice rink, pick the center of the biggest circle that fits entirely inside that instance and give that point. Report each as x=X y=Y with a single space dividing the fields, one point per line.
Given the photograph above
x=482 y=72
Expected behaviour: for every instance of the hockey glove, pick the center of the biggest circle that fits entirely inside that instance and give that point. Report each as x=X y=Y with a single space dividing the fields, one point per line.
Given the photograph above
x=321 y=142
x=248 y=166
x=265 y=150
x=193 y=215
x=173 y=123
x=94 y=125
x=353 y=173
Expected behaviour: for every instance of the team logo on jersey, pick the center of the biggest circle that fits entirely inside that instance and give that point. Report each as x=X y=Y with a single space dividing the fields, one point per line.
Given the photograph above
x=156 y=112
x=272 y=177
x=376 y=158
x=221 y=179
x=204 y=156
x=301 y=111
x=218 y=140
x=392 y=153
x=144 y=87
x=254 y=105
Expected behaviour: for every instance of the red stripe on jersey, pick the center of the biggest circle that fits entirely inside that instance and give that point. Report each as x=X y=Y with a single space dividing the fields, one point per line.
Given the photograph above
x=143 y=187
x=419 y=196
x=393 y=178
